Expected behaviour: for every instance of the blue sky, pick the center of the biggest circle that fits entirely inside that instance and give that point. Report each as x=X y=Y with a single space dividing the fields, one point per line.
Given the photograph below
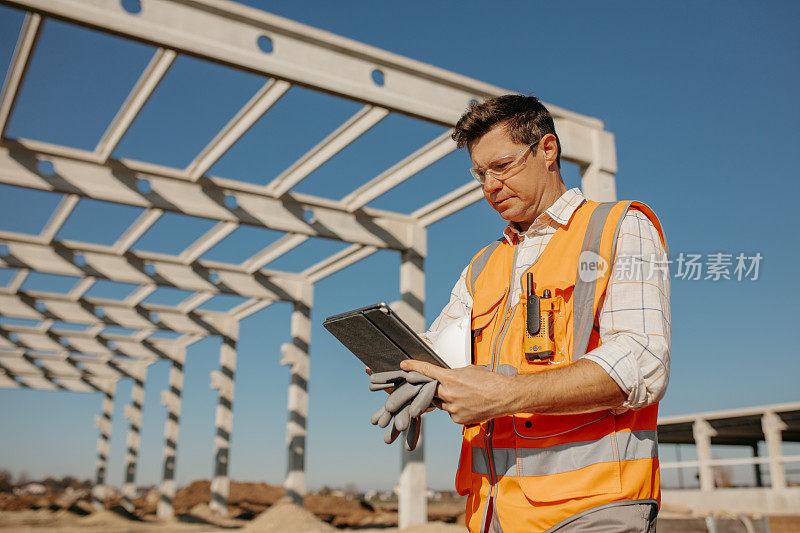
x=701 y=99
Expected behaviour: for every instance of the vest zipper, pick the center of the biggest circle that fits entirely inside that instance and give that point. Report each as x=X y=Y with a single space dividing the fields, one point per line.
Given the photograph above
x=490 y=430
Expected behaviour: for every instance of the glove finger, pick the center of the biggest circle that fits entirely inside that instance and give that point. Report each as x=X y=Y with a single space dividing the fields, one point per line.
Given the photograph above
x=423 y=399
x=377 y=416
x=402 y=419
x=391 y=434
x=385 y=377
x=380 y=386
x=384 y=419
x=416 y=377
x=401 y=395
x=412 y=435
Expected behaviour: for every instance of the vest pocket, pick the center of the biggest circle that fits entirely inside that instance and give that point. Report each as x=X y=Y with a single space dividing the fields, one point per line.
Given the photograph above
x=567 y=456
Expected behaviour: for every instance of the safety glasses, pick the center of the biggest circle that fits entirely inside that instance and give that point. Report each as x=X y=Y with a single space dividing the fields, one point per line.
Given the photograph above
x=503 y=167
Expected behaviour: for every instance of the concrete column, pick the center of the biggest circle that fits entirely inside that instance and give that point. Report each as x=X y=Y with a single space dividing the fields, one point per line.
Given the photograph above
x=103 y=422
x=757 y=467
x=171 y=398
x=296 y=356
x=412 y=501
x=133 y=412
x=772 y=425
x=597 y=178
x=223 y=380
x=703 y=432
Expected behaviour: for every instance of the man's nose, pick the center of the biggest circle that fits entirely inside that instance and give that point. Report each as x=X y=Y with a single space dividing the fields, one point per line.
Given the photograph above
x=491 y=183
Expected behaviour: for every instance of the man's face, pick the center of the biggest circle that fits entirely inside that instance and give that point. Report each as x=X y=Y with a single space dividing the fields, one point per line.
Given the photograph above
x=518 y=197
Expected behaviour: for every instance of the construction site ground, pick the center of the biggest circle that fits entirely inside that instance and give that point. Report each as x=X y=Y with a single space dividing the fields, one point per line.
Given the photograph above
x=258 y=507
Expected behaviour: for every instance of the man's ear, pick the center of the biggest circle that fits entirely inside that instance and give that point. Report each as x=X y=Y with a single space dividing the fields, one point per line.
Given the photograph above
x=549 y=145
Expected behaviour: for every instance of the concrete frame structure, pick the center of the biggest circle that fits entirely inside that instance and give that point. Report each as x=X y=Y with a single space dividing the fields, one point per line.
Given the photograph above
x=771 y=424
x=228 y=34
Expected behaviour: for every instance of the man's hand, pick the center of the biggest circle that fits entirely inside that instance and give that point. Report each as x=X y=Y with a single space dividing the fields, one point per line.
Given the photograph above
x=470 y=394
x=474 y=394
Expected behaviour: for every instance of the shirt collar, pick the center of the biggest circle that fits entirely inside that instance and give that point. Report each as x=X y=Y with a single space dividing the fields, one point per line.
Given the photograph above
x=556 y=215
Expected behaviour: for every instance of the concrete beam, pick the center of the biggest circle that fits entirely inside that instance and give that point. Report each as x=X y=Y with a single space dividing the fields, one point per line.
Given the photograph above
x=26 y=43
x=703 y=431
x=145 y=268
x=151 y=186
x=35 y=305
x=157 y=68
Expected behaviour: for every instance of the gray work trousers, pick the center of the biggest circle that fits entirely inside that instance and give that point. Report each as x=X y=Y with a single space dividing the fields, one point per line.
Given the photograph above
x=628 y=517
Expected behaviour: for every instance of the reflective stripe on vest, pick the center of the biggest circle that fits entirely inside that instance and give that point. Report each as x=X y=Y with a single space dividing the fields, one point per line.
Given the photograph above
x=583 y=294
x=560 y=458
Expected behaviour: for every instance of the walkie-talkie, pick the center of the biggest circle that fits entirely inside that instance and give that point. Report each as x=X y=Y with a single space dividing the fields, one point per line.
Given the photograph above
x=538 y=344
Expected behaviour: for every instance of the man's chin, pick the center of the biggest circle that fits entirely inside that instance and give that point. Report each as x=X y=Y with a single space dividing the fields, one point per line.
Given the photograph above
x=507 y=214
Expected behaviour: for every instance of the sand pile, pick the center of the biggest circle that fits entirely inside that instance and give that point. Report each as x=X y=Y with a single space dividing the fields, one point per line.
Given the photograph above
x=436 y=527
x=203 y=514
x=286 y=516
x=114 y=516
x=27 y=517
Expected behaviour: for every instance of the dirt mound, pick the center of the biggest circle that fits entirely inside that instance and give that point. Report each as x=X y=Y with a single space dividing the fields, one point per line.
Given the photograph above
x=12 y=502
x=255 y=493
x=331 y=508
x=286 y=516
x=244 y=497
x=191 y=495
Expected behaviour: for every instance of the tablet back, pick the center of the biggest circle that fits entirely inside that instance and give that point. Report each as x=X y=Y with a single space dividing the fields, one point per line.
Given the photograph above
x=379 y=338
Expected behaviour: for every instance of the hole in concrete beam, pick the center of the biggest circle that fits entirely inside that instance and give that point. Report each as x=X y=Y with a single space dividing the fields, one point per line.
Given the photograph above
x=265 y=44
x=378 y=77
x=144 y=186
x=46 y=168
x=134 y=7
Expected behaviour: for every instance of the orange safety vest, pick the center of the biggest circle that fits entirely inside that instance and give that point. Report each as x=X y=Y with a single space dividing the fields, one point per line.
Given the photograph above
x=532 y=472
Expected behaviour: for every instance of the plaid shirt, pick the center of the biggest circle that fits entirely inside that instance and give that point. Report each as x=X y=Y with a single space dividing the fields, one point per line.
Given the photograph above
x=634 y=313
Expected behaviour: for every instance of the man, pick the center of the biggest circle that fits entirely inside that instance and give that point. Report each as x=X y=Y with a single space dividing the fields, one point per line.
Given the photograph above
x=563 y=439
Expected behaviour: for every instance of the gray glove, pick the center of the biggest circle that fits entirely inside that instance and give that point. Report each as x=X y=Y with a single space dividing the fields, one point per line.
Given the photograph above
x=412 y=395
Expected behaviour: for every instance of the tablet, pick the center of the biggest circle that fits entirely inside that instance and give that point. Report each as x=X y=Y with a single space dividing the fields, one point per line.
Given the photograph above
x=377 y=336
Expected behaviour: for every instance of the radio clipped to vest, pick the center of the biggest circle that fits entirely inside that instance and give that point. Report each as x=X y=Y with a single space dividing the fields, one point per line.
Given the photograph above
x=538 y=344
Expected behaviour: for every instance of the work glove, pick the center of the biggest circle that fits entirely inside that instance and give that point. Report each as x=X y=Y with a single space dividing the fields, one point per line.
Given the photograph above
x=411 y=397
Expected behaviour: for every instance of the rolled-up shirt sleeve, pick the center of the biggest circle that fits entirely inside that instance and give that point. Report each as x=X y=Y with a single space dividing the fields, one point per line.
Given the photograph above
x=460 y=304
x=634 y=316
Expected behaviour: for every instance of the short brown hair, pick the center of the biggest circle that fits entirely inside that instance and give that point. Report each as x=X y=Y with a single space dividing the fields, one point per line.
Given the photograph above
x=525 y=117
